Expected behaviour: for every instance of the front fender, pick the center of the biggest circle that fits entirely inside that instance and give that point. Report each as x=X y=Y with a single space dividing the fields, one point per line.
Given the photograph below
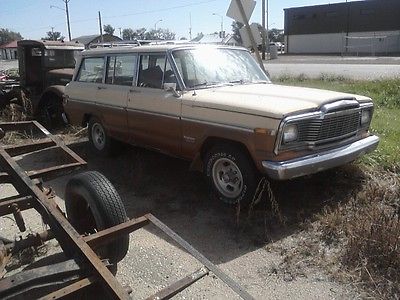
x=59 y=90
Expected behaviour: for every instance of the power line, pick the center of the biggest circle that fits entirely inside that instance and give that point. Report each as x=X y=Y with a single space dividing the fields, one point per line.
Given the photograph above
x=130 y=14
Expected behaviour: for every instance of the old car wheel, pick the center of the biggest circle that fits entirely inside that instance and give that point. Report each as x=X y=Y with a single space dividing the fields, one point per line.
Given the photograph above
x=101 y=143
x=230 y=174
x=50 y=113
x=92 y=204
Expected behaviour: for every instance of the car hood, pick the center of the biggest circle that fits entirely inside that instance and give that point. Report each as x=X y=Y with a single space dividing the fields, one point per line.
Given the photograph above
x=270 y=100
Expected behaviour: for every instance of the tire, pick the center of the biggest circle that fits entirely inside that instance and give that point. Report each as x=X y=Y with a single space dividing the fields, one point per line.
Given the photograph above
x=50 y=113
x=230 y=174
x=92 y=204
x=100 y=142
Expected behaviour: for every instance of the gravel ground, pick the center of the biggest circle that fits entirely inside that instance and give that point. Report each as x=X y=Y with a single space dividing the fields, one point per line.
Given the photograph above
x=163 y=186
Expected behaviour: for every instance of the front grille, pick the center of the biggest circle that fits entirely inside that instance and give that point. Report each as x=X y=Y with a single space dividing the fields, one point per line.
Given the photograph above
x=332 y=126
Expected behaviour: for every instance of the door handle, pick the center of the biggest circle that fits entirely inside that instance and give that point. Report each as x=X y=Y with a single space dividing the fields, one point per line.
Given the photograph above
x=101 y=88
x=134 y=91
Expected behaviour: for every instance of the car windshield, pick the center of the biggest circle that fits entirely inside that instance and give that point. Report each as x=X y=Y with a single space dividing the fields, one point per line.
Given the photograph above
x=205 y=67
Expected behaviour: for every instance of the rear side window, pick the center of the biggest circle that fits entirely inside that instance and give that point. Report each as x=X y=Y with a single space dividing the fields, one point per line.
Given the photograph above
x=91 y=70
x=121 y=70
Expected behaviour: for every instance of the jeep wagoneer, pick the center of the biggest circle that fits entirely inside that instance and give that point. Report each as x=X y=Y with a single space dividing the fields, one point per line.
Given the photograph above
x=214 y=106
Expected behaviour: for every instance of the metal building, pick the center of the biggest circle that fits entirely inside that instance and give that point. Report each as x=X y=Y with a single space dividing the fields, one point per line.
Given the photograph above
x=359 y=27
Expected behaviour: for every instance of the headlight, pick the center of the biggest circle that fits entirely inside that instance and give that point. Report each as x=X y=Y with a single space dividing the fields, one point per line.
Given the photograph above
x=290 y=133
x=365 y=117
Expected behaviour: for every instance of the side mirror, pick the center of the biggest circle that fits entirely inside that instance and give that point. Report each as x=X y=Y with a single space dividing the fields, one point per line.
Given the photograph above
x=171 y=87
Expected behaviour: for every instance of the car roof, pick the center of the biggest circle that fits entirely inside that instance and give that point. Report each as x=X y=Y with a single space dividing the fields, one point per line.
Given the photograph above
x=151 y=48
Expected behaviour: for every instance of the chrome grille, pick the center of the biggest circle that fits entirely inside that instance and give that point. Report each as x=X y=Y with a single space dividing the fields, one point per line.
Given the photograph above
x=332 y=126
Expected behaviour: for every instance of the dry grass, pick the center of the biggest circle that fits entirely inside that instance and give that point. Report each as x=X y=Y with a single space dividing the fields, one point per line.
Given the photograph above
x=366 y=230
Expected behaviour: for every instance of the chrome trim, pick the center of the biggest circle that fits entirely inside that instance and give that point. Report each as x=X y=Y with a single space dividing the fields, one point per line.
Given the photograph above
x=283 y=170
x=341 y=104
x=97 y=104
x=321 y=114
x=148 y=112
x=218 y=124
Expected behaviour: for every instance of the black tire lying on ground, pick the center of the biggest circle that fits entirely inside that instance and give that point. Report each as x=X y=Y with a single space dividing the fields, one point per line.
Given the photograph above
x=93 y=204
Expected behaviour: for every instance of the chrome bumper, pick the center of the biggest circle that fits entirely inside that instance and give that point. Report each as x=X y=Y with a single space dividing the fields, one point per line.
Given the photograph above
x=310 y=164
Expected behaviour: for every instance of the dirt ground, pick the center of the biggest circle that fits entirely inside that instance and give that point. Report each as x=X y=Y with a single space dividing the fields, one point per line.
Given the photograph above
x=251 y=252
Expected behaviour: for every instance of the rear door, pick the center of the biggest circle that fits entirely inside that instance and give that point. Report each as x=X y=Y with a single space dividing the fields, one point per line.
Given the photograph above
x=112 y=94
x=153 y=113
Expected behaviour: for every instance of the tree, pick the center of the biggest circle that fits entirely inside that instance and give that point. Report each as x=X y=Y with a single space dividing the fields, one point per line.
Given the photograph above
x=108 y=29
x=276 y=35
x=7 y=36
x=159 y=34
x=235 y=29
x=130 y=34
x=53 y=36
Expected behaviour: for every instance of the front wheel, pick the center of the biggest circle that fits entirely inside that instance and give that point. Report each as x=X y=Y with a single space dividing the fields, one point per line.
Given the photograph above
x=230 y=174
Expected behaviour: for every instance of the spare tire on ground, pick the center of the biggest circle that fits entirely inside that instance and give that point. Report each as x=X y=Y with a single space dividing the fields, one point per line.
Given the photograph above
x=93 y=204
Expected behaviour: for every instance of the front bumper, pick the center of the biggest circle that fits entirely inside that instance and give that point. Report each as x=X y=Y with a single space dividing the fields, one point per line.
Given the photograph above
x=314 y=163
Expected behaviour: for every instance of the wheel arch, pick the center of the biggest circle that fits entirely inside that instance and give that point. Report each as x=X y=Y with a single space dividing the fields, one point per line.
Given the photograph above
x=52 y=91
x=209 y=143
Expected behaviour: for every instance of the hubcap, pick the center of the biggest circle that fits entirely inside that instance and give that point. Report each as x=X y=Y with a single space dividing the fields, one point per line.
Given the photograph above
x=227 y=177
x=98 y=136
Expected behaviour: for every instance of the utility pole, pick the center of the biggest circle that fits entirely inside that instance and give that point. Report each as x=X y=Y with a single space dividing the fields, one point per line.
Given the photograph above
x=101 y=29
x=190 y=26
x=267 y=27
x=222 y=23
x=264 y=40
x=67 y=12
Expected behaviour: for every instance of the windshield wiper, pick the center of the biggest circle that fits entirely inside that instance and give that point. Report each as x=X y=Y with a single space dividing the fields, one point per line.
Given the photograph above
x=205 y=84
x=241 y=81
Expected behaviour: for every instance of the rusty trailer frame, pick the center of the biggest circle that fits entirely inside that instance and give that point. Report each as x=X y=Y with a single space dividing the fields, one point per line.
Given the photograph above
x=82 y=268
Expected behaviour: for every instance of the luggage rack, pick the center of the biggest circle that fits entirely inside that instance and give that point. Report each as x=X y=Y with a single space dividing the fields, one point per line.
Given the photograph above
x=82 y=268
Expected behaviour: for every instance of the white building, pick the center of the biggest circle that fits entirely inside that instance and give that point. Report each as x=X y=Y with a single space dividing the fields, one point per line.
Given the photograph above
x=9 y=51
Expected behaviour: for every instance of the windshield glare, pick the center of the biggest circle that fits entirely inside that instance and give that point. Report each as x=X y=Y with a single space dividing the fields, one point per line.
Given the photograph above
x=215 y=66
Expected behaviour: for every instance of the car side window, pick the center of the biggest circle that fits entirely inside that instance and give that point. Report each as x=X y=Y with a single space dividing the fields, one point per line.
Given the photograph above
x=151 y=70
x=91 y=70
x=121 y=69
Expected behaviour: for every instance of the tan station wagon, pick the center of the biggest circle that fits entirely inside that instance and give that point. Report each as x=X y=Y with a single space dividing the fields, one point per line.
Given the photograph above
x=214 y=106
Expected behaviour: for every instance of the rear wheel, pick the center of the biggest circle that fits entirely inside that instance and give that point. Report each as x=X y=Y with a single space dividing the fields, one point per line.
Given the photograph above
x=100 y=142
x=230 y=174
x=93 y=204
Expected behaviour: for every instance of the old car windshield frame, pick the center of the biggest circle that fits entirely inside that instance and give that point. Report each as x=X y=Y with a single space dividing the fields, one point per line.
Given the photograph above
x=242 y=68
x=60 y=58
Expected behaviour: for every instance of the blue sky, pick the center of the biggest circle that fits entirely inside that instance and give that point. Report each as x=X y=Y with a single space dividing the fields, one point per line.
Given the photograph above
x=33 y=18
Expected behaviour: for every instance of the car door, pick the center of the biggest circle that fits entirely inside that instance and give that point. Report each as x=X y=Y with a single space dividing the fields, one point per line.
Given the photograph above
x=153 y=113
x=112 y=94
x=82 y=91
